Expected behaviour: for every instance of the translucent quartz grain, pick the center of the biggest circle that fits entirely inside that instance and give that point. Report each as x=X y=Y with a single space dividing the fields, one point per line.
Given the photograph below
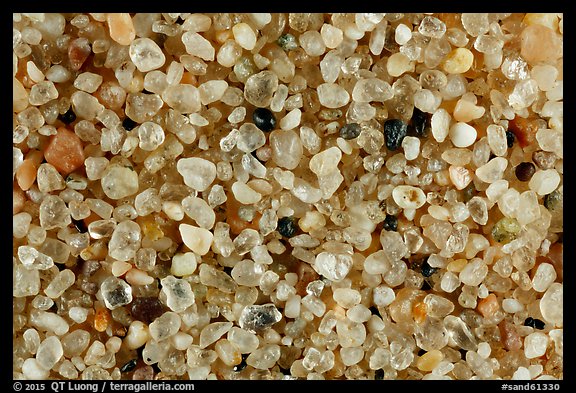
x=138 y=334
x=333 y=266
x=49 y=179
x=21 y=224
x=85 y=105
x=254 y=167
x=264 y=358
x=524 y=94
x=259 y=88
x=372 y=89
x=350 y=334
x=198 y=173
x=212 y=332
x=42 y=92
x=287 y=149
x=257 y=318
x=151 y=135
x=497 y=139
x=177 y=292
x=429 y=360
x=246 y=341
x=351 y=356
x=493 y=170
x=312 y=43
x=550 y=141
x=331 y=35
x=346 y=297
x=26 y=281
x=125 y=241
x=325 y=162
x=310 y=140
x=398 y=64
x=228 y=54
x=402 y=34
x=460 y=333
x=88 y=82
x=427 y=101
x=35 y=74
x=539 y=43
x=330 y=66
x=245 y=194
x=551 y=304
x=332 y=95
x=213 y=277
x=411 y=147
x=535 y=345
x=119 y=181
x=474 y=272
x=115 y=292
x=212 y=91
x=165 y=326
x=460 y=176
x=49 y=352
x=32 y=369
x=529 y=207
x=54 y=213
x=61 y=282
x=545 y=75
x=19 y=96
x=184 y=98
x=432 y=27
x=244 y=35
x=291 y=120
x=142 y=107
x=543 y=182
x=478 y=210
x=475 y=23
x=247 y=273
x=249 y=138
x=199 y=210
x=197 y=45
x=545 y=275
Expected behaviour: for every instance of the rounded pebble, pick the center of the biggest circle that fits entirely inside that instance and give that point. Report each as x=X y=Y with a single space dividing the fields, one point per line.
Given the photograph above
x=543 y=182
x=524 y=171
x=409 y=197
x=196 y=239
x=458 y=61
x=462 y=134
x=264 y=119
x=146 y=54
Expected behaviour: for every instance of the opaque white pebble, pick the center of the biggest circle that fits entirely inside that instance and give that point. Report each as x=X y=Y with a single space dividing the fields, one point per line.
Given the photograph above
x=409 y=197
x=137 y=335
x=462 y=134
x=32 y=370
x=244 y=36
x=181 y=341
x=196 y=239
x=183 y=264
